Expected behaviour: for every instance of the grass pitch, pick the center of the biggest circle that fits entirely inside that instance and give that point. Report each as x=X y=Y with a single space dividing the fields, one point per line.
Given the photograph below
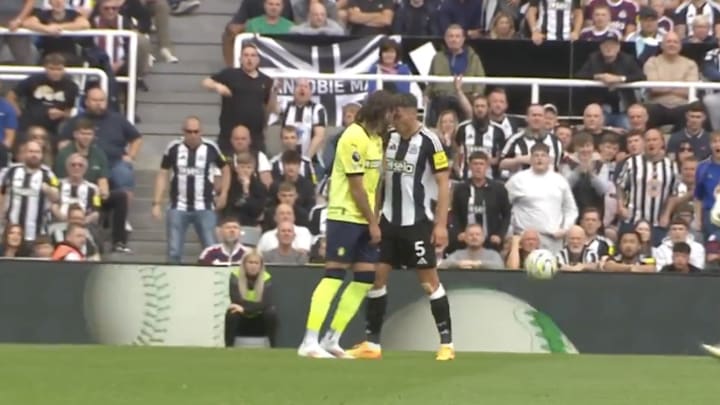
x=80 y=375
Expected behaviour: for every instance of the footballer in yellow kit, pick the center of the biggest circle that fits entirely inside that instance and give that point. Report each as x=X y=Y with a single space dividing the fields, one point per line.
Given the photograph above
x=352 y=230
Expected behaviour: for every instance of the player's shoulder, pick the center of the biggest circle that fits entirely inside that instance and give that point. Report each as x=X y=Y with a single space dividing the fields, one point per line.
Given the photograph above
x=353 y=134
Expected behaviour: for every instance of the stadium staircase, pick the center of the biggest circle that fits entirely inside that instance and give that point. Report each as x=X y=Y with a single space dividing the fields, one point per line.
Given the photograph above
x=175 y=92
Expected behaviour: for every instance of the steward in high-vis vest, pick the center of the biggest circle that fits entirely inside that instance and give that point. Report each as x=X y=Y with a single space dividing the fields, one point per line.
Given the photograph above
x=251 y=312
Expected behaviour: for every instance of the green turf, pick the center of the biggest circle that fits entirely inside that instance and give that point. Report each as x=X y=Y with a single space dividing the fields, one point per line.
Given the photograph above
x=176 y=376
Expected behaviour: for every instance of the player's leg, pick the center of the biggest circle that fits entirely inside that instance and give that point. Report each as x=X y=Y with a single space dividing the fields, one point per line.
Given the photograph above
x=348 y=305
x=374 y=316
x=353 y=295
x=341 y=241
x=377 y=297
x=426 y=266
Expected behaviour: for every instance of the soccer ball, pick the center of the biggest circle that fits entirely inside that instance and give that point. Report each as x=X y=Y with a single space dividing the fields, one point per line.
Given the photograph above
x=715 y=212
x=541 y=264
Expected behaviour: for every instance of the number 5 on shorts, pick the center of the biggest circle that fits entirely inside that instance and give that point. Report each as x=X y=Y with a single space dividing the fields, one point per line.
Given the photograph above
x=420 y=248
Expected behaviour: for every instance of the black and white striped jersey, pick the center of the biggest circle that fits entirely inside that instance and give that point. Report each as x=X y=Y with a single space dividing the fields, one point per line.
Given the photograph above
x=410 y=189
x=647 y=186
x=306 y=168
x=25 y=202
x=474 y=137
x=305 y=118
x=193 y=173
x=567 y=258
x=555 y=17
x=521 y=143
x=85 y=194
x=686 y=12
x=601 y=246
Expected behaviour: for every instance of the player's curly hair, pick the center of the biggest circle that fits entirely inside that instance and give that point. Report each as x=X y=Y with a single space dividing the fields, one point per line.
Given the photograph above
x=373 y=114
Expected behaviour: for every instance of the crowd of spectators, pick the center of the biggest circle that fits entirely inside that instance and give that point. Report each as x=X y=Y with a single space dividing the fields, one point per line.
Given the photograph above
x=626 y=174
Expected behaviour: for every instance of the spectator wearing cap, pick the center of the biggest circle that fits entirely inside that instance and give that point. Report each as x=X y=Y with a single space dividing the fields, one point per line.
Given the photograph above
x=679 y=232
x=667 y=106
x=681 y=256
x=416 y=18
x=318 y=23
x=551 y=117
x=457 y=59
x=612 y=67
x=389 y=63
x=701 y=31
x=648 y=37
x=600 y=29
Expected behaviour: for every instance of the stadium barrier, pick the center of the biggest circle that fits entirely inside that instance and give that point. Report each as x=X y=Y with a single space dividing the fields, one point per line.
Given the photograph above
x=130 y=79
x=335 y=66
x=91 y=303
x=80 y=73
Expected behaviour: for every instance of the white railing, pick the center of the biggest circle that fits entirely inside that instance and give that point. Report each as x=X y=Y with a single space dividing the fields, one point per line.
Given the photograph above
x=534 y=83
x=21 y=72
x=130 y=79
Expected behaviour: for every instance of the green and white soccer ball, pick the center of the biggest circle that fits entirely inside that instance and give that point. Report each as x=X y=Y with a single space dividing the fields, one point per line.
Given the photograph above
x=541 y=264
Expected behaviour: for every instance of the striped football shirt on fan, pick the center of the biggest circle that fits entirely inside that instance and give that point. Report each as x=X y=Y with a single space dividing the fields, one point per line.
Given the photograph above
x=305 y=118
x=24 y=198
x=555 y=17
x=193 y=173
x=85 y=194
x=521 y=143
x=647 y=186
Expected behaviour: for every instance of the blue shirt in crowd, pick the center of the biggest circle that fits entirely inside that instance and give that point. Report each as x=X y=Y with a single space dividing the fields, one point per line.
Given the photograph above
x=707 y=179
x=8 y=118
x=397 y=87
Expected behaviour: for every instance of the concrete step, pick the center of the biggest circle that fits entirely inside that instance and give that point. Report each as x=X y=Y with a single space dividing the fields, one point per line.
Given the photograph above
x=137 y=257
x=198 y=52
x=167 y=132
x=157 y=234
x=205 y=66
x=224 y=7
x=178 y=97
x=190 y=82
x=203 y=29
x=159 y=248
x=176 y=114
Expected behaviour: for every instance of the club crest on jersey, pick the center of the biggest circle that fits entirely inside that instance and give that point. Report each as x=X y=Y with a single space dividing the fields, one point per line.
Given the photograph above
x=413 y=149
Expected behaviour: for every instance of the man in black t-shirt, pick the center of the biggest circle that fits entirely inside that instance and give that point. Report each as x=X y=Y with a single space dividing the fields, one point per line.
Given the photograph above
x=368 y=17
x=248 y=96
x=46 y=98
x=59 y=19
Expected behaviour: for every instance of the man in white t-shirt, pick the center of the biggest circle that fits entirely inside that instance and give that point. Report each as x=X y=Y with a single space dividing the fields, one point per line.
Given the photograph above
x=303 y=237
x=542 y=200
